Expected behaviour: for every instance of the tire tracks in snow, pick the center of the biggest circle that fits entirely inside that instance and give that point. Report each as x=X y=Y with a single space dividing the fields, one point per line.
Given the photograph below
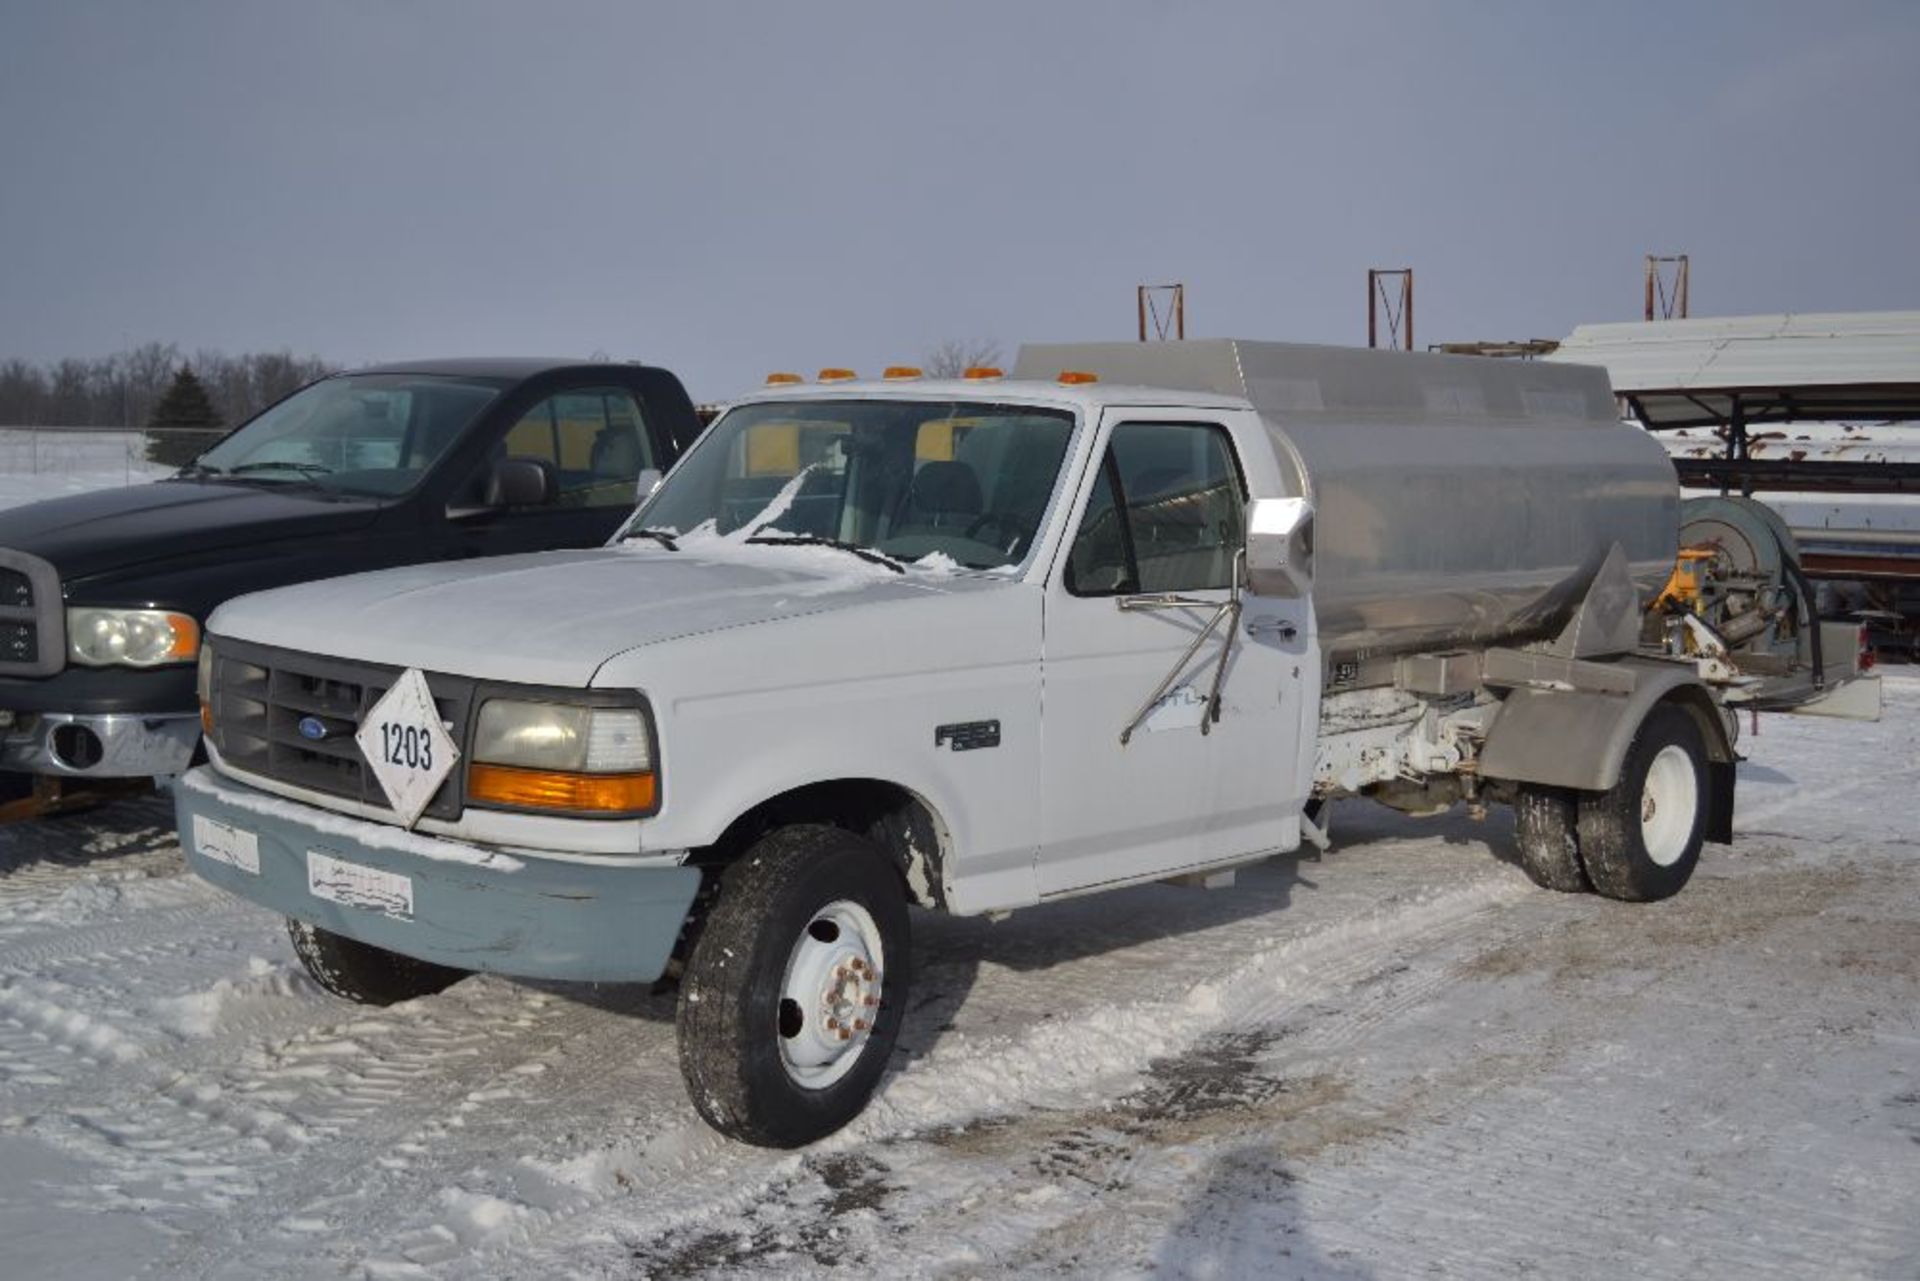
x=1280 y=984
x=42 y=859
x=379 y=1099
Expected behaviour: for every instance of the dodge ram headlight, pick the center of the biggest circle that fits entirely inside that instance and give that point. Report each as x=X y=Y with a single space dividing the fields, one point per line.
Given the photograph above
x=562 y=756
x=131 y=637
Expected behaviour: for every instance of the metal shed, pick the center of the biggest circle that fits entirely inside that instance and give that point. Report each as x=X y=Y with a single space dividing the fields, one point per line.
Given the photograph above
x=1850 y=493
x=1742 y=373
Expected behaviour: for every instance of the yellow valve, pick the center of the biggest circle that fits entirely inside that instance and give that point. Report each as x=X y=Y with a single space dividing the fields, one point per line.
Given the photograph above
x=1689 y=577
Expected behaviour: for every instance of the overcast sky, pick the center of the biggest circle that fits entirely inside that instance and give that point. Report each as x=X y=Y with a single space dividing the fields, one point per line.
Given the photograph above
x=731 y=188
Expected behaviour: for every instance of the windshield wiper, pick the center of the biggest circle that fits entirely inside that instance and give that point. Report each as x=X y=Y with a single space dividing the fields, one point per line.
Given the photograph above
x=813 y=540
x=665 y=537
x=199 y=469
x=305 y=469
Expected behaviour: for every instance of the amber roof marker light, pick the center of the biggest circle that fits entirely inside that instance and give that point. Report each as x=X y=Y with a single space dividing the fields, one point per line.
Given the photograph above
x=835 y=376
x=1077 y=377
x=901 y=373
x=982 y=373
x=783 y=379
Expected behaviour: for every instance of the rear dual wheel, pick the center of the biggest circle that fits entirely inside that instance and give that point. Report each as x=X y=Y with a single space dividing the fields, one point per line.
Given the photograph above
x=1640 y=840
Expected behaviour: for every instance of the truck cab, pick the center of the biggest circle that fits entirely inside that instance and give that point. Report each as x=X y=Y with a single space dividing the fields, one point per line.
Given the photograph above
x=104 y=596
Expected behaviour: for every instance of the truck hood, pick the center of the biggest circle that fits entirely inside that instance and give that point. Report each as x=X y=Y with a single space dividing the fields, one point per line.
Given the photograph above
x=554 y=618
x=113 y=529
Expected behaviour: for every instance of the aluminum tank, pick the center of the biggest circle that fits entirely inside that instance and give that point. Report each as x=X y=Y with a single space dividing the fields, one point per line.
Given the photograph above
x=1459 y=500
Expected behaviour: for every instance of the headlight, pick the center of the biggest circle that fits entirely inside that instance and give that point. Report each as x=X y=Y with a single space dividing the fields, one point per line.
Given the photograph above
x=131 y=637
x=561 y=756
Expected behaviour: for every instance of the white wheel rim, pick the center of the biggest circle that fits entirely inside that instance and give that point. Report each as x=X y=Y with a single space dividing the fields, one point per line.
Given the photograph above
x=830 y=995
x=1668 y=804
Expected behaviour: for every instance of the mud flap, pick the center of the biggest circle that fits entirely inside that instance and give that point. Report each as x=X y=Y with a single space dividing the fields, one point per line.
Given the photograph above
x=1721 y=776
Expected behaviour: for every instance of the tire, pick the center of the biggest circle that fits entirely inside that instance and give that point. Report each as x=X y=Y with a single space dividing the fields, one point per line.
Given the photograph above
x=1546 y=827
x=362 y=972
x=784 y=1030
x=1641 y=841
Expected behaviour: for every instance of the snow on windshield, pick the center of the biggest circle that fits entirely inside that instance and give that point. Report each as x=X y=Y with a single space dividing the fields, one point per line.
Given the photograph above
x=935 y=486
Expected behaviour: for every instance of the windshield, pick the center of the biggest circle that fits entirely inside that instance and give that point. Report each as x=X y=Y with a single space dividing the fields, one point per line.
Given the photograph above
x=373 y=434
x=906 y=479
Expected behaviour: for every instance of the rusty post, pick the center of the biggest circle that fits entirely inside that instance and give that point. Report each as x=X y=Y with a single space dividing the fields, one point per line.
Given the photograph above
x=1660 y=304
x=1398 y=313
x=1174 y=323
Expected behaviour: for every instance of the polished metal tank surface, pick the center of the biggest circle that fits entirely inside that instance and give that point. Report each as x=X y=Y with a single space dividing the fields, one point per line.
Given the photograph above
x=1459 y=500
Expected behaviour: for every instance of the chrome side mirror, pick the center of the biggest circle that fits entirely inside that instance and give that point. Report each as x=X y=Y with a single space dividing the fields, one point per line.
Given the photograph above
x=1279 y=547
x=646 y=483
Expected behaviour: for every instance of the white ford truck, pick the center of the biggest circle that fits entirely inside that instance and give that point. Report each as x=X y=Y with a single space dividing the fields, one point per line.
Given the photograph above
x=975 y=645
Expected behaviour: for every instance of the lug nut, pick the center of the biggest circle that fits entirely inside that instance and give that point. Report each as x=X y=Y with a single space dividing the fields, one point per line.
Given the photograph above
x=871 y=1001
x=845 y=1035
x=859 y=1025
x=833 y=1022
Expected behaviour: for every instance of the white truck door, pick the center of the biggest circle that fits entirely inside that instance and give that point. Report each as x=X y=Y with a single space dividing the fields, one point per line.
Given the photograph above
x=1149 y=563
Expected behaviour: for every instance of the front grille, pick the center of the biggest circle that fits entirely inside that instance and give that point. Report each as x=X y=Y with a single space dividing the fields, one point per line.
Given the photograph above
x=260 y=694
x=33 y=620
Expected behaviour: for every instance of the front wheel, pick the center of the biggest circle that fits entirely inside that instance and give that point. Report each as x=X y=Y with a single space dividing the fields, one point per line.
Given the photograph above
x=1641 y=840
x=362 y=972
x=794 y=990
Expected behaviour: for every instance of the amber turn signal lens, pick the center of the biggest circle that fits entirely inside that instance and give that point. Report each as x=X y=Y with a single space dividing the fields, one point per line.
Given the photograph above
x=206 y=718
x=186 y=638
x=555 y=790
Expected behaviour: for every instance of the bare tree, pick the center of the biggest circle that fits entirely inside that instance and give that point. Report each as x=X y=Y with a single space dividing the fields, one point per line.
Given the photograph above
x=122 y=389
x=954 y=357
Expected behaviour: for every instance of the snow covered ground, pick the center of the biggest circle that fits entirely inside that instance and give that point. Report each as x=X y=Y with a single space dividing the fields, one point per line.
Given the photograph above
x=38 y=463
x=1399 y=1060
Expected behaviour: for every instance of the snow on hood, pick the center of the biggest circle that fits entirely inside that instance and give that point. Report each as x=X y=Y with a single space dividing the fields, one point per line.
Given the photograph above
x=555 y=617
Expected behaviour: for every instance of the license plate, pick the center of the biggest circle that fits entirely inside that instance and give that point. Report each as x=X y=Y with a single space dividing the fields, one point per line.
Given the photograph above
x=408 y=749
x=225 y=843
x=357 y=885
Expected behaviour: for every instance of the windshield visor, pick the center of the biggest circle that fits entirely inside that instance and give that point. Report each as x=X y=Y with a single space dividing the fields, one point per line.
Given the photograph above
x=374 y=434
x=957 y=481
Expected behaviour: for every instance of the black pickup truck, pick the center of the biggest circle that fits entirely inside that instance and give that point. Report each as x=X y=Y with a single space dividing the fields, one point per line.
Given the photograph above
x=102 y=595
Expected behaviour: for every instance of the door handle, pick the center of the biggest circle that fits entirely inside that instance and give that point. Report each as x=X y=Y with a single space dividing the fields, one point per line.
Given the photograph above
x=1277 y=627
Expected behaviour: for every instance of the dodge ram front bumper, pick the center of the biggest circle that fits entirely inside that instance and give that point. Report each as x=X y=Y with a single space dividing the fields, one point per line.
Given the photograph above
x=117 y=745
x=588 y=918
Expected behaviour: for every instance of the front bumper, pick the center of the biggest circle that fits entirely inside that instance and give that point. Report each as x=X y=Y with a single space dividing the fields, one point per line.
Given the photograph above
x=100 y=746
x=584 y=919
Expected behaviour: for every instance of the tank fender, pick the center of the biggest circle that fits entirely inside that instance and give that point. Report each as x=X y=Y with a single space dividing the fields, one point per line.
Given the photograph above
x=1578 y=738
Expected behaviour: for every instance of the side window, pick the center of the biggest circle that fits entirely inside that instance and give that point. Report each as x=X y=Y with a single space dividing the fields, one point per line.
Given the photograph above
x=594 y=439
x=1166 y=513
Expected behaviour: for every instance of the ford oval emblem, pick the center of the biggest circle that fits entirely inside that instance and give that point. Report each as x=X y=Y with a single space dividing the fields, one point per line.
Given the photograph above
x=312 y=727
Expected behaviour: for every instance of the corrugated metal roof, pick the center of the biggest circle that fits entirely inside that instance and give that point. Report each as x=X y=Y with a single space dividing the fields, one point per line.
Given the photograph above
x=1752 y=351
x=1784 y=368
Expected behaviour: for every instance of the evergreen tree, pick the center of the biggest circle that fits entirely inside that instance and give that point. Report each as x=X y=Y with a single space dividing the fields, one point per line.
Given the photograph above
x=184 y=422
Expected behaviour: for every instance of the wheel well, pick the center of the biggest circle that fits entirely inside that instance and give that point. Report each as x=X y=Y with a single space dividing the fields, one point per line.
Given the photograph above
x=892 y=817
x=1697 y=703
